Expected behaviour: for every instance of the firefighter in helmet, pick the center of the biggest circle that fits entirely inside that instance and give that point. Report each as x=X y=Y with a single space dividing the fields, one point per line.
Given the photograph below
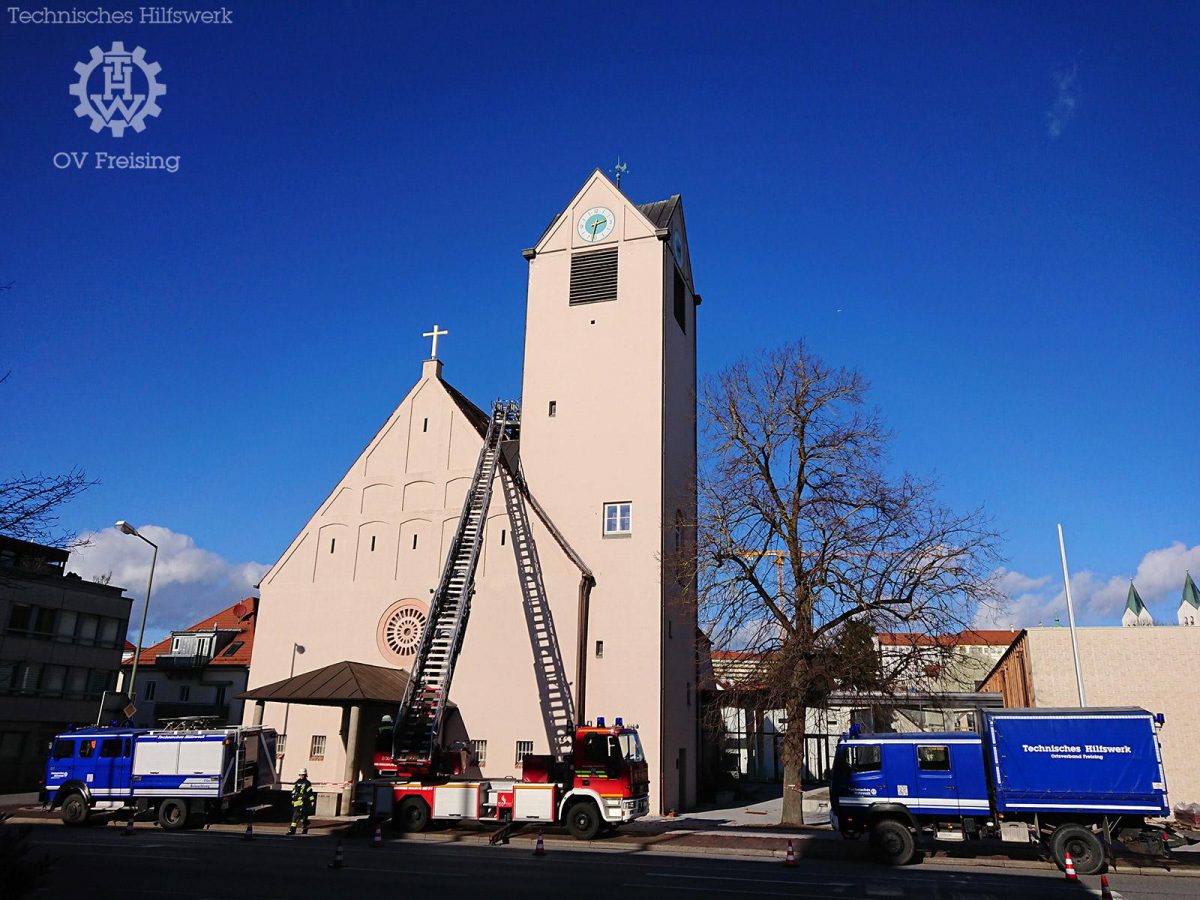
x=304 y=802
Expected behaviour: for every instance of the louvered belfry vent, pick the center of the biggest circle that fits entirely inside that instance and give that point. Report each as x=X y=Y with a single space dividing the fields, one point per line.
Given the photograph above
x=594 y=276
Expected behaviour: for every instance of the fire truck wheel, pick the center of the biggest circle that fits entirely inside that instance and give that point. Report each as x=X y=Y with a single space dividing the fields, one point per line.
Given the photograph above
x=413 y=814
x=1087 y=854
x=173 y=814
x=75 y=810
x=892 y=842
x=583 y=821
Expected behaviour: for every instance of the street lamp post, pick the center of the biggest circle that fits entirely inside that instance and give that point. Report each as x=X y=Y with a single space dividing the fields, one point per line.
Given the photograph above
x=129 y=529
x=296 y=648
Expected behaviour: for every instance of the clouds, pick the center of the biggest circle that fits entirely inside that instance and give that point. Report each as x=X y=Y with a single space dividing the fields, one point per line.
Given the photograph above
x=190 y=582
x=1066 y=98
x=1099 y=599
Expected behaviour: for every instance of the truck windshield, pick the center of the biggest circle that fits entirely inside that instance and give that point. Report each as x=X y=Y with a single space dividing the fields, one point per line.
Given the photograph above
x=631 y=746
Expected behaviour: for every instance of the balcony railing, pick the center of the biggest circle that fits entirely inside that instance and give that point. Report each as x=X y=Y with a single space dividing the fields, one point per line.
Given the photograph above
x=180 y=661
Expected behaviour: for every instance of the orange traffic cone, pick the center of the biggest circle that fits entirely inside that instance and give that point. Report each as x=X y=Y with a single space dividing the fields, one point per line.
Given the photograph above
x=539 y=849
x=1070 y=868
x=339 y=860
x=1105 y=893
x=790 y=859
x=248 y=834
x=128 y=825
x=377 y=840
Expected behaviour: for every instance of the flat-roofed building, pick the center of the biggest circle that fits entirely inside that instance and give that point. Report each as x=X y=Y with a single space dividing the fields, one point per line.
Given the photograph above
x=61 y=640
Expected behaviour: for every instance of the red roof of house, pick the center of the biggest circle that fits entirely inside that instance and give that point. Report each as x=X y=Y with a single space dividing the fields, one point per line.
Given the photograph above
x=241 y=617
x=979 y=638
x=129 y=647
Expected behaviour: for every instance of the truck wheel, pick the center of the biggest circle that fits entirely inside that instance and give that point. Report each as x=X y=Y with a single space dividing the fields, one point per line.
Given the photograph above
x=892 y=842
x=583 y=821
x=1087 y=854
x=413 y=814
x=75 y=810
x=173 y=814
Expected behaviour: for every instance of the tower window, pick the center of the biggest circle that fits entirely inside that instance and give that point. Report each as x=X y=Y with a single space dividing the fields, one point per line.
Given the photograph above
x=332 y=544
x=503 y=536
x=372 y=543
x=414 y=540
x=599 y=649
x=618 y=519
x=594 y=276
x=680 y=302
x=425 y=425
x=553 y=411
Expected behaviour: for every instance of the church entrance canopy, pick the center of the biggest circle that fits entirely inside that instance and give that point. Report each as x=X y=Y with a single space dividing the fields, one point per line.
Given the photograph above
x=341 y=684
x=352 y=687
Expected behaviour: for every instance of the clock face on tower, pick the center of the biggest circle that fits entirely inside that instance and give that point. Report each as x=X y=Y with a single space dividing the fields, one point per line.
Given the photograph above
x=596 y=224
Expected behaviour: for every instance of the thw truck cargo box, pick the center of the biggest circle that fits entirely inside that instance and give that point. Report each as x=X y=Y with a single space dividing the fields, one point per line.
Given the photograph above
x=1077 y=781
x=1105 y=760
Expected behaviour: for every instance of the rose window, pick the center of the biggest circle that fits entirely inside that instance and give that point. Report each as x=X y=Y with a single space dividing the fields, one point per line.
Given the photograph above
x=400 y=630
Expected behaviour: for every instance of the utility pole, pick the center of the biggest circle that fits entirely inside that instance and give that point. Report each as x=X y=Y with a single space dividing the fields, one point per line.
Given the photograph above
x=1062 y=549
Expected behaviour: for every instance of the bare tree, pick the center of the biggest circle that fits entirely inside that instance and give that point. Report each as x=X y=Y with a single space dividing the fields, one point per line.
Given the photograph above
x=807 y=546
x=30 y=505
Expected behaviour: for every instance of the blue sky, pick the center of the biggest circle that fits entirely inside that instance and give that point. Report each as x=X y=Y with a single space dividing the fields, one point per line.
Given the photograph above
x=988 y=208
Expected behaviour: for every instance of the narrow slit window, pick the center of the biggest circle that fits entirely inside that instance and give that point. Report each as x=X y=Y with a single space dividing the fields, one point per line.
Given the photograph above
x=332 y=544
x=503 y=537
x=425 y=425
x=599 y=649
x=553 y=408
x=414 y=540
x=372 y=543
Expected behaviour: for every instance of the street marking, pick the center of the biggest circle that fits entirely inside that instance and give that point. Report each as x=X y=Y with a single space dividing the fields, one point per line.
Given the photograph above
x=823 y=882
x=713 y=890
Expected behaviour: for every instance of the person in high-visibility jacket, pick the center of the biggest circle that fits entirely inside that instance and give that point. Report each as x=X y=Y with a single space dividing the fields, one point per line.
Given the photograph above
x=304 y=802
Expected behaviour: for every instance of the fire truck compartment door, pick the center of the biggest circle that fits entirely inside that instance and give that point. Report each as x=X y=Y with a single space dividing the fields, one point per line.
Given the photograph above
x=456 y=801
x=533 y=801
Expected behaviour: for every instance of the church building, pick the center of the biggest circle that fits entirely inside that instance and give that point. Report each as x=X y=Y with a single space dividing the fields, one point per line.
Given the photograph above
x=580 y=609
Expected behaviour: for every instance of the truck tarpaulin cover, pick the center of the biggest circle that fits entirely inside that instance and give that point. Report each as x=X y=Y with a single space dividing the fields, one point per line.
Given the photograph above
x=1108 y=761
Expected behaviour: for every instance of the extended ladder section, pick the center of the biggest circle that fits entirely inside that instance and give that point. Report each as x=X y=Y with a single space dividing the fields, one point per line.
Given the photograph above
x=419 y=720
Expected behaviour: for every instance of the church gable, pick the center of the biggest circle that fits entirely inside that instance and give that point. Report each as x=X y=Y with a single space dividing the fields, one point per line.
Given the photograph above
x=394 y=495
x=598 y=193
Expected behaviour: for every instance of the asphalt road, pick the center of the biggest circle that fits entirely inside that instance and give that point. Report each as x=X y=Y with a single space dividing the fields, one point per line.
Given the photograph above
x=100 y=863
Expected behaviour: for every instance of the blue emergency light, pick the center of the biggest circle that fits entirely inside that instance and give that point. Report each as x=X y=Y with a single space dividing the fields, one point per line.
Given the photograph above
x=599 y=721
x=620 y=723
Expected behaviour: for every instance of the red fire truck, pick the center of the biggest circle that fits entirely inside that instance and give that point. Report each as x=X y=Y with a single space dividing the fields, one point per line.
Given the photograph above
x=604 y=783
x=597 y=781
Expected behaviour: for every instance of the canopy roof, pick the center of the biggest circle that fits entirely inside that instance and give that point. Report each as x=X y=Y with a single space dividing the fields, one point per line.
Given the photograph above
x=340 y=684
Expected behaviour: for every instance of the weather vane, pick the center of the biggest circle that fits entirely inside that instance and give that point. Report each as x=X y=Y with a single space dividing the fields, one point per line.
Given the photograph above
x=619 y=169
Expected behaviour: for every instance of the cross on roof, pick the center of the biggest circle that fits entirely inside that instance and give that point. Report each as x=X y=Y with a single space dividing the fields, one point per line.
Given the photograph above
x=435 y=334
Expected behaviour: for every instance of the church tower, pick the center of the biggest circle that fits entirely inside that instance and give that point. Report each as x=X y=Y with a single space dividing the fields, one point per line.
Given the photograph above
x=608 y=445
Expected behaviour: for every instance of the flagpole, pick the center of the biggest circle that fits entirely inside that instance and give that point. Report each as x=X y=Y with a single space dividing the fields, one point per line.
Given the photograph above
x=1062 y=549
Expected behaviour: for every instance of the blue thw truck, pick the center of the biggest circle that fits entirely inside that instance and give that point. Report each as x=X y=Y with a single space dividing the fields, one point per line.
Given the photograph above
x=184 y=776
x=1074 y=780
